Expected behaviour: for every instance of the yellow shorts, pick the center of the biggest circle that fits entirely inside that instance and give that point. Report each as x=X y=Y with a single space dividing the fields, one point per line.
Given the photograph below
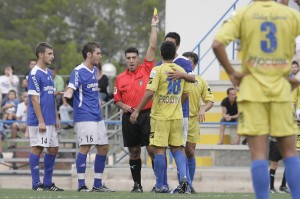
x=194 y=130
x=274 y=118
x=166 y=133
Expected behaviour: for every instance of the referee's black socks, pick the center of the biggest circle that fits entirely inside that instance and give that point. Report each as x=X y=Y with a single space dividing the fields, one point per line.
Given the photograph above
x=135 y=168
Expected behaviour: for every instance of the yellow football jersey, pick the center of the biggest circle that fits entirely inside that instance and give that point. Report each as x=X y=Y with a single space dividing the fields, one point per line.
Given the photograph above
x=296 y=97
x=199 y=90
x=267 y=31
x=167 y=98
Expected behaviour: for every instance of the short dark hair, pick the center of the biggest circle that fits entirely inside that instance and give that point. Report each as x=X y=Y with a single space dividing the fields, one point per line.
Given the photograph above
x=131 y=50
x=41 y=47
x=175 y=36
x=89 y=47
x=168 y=50
x=11 y=66
x=13 y=91
x=193 y=55
x=229 y=89
x=295 y=62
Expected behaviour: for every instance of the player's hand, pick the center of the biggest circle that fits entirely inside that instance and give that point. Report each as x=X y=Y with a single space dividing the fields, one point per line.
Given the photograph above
x=201 y=116
x=66 y=95
x=175 y=74
x=155 y=20
x=42 y=127
x=236 y=78
x=58 y=124
x=127 y=109
x=294 y=82
x=133 y=117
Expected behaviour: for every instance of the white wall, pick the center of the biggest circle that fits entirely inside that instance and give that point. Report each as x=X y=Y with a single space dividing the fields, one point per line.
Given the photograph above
x=192 y=19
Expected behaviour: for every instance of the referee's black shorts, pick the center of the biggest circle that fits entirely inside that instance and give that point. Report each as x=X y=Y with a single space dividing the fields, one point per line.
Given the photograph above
x=136 y=134
x=274 y=153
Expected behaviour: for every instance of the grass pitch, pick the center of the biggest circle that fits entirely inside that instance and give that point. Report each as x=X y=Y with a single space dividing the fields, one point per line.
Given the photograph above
x=29 y=194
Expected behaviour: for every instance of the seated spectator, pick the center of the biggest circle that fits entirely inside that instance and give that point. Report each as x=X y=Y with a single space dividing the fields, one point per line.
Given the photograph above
x=22 y=116
x=8 y=82
x=59 y=85
x=229 y=112
x=10 y=107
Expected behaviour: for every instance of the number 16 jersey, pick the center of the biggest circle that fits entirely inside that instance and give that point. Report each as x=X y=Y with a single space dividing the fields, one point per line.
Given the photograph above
x=167 y=98
x=267 y=31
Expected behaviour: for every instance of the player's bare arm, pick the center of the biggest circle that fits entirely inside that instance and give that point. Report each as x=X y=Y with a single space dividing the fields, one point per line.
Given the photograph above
x=219 y=50
x=294 y=81
x=68 y=93
x=146 y=98
x=58 y=124
x=175 y=74
x=150 y=55
x=184 y=97
x=126 y=108
x=37 y=109
x=208 y=105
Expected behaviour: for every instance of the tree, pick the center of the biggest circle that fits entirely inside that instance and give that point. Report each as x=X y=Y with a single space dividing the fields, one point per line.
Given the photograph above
x=68 y=24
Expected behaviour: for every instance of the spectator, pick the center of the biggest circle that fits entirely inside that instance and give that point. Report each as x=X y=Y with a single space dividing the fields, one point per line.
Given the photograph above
x=10 y=107
x=8 y=82
x=274 y=157
x=32 y=63
x=22 y=116
x=229 y=112
x=102 y=84
x=59 y=86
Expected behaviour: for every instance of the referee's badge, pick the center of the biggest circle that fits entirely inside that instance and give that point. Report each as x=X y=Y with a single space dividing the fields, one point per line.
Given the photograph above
x=141 y=82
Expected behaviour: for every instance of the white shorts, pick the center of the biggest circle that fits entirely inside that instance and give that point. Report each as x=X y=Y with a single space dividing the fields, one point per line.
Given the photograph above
x=45 y=139
x=185 y=128
x=91 y=133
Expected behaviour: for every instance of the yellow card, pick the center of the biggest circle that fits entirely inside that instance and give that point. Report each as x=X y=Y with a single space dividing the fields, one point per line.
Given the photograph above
x=154 y=12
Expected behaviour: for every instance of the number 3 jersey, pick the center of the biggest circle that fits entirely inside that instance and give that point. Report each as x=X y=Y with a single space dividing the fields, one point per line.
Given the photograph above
x=267 y=31
x=167 y=98
x=40 y=83
x=86 y=94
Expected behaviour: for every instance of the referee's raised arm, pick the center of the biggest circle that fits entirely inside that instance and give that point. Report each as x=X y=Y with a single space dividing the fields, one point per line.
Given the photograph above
x=150 y=55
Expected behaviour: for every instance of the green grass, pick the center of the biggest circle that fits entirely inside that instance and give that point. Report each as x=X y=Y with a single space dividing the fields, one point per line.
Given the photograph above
x=28 y=194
